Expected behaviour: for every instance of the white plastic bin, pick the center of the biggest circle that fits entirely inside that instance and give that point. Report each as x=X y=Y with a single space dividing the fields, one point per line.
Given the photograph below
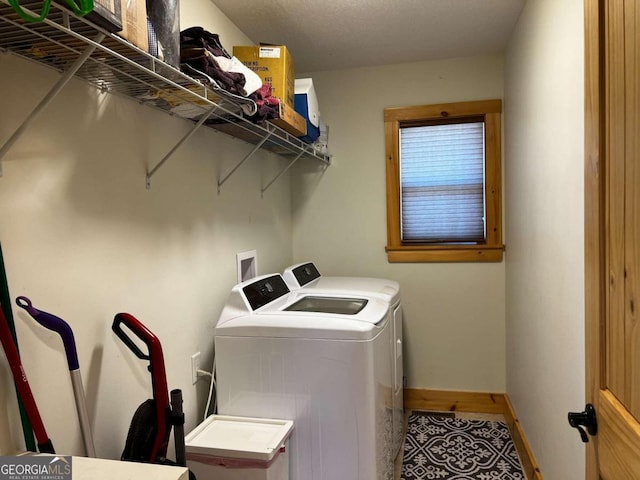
x=239 y=448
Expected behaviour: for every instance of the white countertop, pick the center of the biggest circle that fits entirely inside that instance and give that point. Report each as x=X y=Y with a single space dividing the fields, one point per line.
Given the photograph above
x=100 y=469
x=84 y=468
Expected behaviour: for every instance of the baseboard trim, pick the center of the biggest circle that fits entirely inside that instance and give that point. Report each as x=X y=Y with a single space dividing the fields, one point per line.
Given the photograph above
x=478 y=402
x=524 y=450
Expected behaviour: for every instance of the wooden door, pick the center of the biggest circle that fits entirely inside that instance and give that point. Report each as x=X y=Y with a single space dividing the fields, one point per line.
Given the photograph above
x=612 y=230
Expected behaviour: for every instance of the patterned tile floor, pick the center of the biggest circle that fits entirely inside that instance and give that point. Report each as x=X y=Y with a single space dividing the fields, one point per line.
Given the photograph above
x=465 y=415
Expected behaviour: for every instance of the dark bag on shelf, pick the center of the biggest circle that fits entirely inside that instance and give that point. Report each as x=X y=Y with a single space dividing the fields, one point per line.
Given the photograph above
x=164 y=30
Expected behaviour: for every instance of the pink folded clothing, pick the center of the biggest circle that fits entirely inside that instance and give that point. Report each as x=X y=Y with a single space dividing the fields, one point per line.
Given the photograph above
x=268 y=106
x=202 y=55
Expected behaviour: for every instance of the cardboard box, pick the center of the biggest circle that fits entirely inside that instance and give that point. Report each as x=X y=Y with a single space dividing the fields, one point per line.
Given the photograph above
x=274 y=65
x=291 y=121
x=306 y=104
x=248 y=136
x=313 y=132
x=134 y=23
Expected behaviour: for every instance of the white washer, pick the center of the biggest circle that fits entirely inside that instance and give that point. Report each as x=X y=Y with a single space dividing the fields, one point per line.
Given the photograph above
x=319 y=360
x=305 y=277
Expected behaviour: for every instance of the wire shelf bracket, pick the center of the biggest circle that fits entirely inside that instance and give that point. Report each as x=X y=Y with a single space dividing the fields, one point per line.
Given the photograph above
x=247 y=157
x=291 y=163
x=186 y=137
x=51 y=94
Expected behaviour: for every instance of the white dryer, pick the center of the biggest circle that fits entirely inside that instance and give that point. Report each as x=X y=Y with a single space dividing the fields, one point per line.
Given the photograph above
x=308 y=276
x=305 y=277
x=319 y=360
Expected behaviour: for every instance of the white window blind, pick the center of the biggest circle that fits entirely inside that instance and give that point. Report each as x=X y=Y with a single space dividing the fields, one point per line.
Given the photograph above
x=442 y=183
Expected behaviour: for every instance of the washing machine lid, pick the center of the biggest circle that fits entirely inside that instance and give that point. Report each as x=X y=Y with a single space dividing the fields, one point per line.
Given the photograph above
x=300 y=325
x=318 y=304
x=306 y=275
x=265 y=307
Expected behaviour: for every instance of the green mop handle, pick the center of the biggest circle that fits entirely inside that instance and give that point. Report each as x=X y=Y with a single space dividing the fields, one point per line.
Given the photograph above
x=5 y=304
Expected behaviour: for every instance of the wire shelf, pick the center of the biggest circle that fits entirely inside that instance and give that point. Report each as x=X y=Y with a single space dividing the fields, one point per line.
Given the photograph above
x=119 y=67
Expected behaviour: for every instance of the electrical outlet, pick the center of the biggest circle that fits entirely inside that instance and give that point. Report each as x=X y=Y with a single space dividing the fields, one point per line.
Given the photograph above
x=195 y=366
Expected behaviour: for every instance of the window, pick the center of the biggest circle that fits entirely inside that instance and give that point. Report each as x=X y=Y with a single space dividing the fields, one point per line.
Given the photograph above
x=444 y=182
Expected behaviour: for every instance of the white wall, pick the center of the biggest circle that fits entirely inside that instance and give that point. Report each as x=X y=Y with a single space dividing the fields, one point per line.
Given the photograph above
x=84 y=239
x=454 y=313
x=544 y=137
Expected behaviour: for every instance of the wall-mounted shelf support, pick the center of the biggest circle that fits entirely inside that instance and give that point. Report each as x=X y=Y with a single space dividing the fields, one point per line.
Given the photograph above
x=51 y=94
x=189 y=134
x=264 y=189
x=247 y=157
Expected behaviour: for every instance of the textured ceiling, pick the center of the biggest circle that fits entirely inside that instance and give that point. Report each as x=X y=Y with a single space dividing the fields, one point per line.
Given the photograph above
x=337 y=34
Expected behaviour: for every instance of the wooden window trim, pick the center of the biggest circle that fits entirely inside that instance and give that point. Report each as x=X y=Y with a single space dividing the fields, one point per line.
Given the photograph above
x=394 y=119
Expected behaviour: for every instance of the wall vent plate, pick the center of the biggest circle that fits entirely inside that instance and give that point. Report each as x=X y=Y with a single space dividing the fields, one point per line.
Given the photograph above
x=247 y=265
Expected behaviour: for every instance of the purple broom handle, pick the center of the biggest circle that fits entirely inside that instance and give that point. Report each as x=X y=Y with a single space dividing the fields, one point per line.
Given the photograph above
x=57 y=325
